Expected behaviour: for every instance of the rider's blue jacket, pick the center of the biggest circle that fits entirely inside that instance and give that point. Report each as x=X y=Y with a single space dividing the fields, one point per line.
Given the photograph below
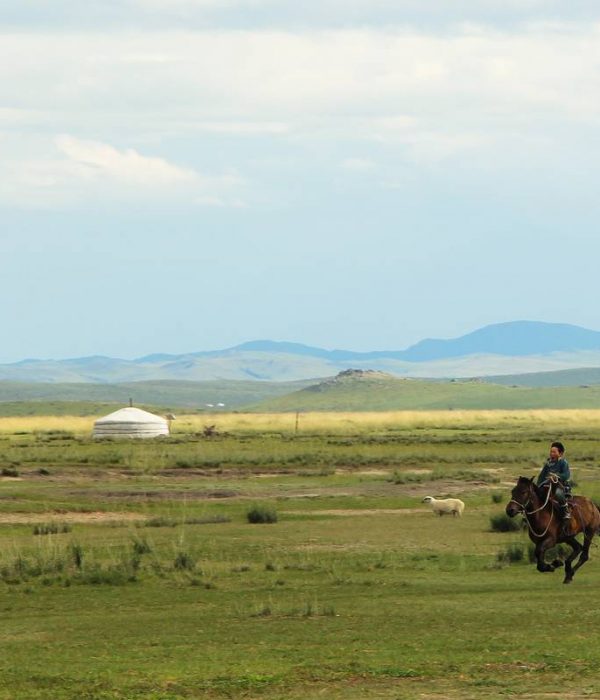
x=560 y=468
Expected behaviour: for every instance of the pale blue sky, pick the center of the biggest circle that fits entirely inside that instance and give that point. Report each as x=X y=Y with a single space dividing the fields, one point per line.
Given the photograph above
x=185 y=175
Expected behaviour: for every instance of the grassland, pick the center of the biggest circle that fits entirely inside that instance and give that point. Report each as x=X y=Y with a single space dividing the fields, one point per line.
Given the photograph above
x=145 y=580
x=52 y=398
x=386 y=393
x=357 y=392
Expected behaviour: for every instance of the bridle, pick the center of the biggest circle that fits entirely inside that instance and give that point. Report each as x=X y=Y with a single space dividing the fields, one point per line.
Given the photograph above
x=523 y=507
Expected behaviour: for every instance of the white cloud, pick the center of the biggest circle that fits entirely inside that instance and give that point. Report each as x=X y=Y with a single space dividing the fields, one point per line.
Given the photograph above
x=90 y=169
x=232 y=77
x=425 y=96
x=128 y=166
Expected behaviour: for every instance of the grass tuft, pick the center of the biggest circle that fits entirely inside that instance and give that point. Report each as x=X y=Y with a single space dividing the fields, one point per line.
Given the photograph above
x=184 y=562
x=261 y=514
x=502 y=523
x=51 y=528
x=514 y=553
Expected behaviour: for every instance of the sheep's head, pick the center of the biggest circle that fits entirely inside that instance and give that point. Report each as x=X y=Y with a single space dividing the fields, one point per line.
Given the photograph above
x=428 y=499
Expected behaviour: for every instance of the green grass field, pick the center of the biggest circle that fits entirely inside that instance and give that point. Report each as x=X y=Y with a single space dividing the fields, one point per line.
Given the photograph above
x=387 y=393
x=129 y=570
x=354 y=392
x=74 y=398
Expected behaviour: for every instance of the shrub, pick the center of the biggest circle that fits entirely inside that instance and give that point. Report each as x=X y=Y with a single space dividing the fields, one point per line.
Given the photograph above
x=261 y=514
x=9 y=471
x=515 y=552
x=160 y=521
x=207 y=520
x=502 y=523
x=497 y=497
x=184 y=562
x=112 y=576
x=51 y=528
x=77 y=555
x=140 y=546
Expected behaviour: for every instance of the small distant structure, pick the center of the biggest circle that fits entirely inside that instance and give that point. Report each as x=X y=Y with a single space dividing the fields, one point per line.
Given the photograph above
x=170 y=417
x=130 y=422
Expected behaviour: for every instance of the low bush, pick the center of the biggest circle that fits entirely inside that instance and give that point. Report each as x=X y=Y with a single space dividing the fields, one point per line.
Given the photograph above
x=51 y=528
x=514 y=553
x=502 y=523
x=140 y=546
x=261 y=514
x=184 y=562
x=162 y=521
x=77 y=555
x=111 y=576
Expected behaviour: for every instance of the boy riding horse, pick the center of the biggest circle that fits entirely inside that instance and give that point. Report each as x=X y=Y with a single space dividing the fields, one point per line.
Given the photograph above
x=557 y=465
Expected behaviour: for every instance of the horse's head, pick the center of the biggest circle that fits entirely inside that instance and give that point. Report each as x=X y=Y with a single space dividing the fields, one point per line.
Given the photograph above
x=520 y=496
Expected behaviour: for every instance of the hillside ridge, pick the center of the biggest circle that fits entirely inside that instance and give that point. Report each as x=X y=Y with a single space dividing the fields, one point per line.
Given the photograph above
x=505 y=348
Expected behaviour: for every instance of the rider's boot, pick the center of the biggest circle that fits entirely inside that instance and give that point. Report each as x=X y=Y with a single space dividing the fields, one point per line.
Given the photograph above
x=565 y=514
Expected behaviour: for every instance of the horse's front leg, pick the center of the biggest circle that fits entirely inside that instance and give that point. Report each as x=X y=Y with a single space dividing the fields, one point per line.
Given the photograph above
x=540 y=551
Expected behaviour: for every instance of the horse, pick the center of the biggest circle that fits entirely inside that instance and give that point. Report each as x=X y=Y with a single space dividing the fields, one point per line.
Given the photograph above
x=546 y=530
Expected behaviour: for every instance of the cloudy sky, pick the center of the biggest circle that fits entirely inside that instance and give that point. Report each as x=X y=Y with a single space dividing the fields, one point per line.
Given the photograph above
x=181 y=175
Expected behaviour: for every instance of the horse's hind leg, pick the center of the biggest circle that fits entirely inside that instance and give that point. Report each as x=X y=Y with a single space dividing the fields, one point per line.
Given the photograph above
x=585 y=549
x=576 y=549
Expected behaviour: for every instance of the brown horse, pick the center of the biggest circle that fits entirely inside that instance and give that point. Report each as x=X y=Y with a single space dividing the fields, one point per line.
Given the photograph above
x=545 y=526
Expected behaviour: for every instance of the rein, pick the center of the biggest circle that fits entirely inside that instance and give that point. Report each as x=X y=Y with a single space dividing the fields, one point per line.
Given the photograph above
x=527 y=513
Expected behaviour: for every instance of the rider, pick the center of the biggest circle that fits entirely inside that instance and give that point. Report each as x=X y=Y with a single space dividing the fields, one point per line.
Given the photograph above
x=556 y=464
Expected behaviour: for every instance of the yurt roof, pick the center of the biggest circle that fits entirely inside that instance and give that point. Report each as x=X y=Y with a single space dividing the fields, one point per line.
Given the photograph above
x=130 y=414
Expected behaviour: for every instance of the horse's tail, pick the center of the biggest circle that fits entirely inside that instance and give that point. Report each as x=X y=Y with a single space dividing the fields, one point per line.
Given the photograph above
x=597 y=507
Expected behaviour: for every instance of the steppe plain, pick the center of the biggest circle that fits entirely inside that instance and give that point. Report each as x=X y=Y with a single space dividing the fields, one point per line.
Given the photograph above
x=129 y=569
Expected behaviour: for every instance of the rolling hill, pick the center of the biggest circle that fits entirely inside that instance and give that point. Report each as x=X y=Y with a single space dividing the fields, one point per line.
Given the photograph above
x=375 y=391
x=500 y=349
x=172 y=394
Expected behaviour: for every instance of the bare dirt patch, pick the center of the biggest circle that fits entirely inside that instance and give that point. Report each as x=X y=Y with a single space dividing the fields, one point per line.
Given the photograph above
x=364 y=472
x=351 y=512
x=69 y=517
x=442 y=488
x=163 y=495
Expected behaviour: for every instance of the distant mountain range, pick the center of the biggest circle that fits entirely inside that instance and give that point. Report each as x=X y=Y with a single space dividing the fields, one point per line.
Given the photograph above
x=501 y=349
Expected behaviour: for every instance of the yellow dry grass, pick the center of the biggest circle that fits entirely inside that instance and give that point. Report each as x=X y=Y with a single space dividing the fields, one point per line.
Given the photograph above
x=32 y=424
x=330 y=422
x=353 y=422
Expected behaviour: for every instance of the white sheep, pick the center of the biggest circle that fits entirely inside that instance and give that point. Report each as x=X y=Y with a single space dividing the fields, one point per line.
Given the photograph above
x=442 y=506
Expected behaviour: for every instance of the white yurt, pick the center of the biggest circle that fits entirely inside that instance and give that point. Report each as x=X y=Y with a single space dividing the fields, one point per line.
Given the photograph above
x=131 y=422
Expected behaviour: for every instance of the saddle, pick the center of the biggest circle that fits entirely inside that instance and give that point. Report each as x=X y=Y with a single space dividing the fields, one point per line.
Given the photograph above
x=558 y=506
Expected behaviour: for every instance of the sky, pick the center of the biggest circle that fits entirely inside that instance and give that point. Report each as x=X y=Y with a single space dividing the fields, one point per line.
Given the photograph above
x=185 y=175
